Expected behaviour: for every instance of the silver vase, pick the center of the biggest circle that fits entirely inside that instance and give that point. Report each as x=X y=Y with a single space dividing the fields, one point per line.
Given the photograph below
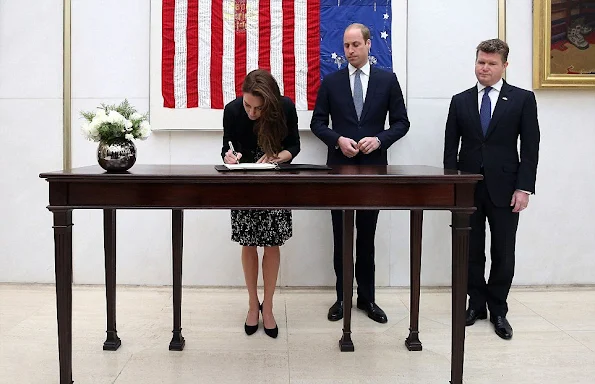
x=116 y=155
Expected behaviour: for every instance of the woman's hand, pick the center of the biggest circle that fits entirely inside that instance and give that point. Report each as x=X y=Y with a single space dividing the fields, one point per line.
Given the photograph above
x=230 y=158
x=266 y=159
x=283 y=157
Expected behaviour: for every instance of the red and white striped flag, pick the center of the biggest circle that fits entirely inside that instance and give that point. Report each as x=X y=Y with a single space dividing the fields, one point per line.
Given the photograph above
x=210 y=45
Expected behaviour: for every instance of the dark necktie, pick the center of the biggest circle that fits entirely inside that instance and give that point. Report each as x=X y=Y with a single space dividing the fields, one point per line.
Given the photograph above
x=358 y=94
x=485 y=112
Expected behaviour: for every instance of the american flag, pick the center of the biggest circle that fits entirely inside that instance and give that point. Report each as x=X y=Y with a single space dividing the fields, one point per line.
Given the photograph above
x=209 y=46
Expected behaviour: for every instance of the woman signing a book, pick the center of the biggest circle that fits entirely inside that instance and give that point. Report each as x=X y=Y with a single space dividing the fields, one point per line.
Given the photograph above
x=262 y=127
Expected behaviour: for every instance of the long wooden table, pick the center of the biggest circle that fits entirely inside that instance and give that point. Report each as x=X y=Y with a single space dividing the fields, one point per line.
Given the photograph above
x=179 y=187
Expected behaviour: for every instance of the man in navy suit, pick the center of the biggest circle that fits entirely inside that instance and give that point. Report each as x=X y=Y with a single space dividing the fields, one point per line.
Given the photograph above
x=488 y=120
x=358 y=98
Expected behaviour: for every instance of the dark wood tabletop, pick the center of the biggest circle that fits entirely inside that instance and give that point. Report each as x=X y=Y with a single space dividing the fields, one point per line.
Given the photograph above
x=178 y=187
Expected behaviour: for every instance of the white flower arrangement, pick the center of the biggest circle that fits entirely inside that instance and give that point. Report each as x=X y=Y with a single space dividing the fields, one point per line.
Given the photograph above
x=109 y=122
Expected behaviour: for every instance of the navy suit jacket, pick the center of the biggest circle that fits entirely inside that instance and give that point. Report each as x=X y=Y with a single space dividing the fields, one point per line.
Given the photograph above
x=335 y=100
x=514 y=117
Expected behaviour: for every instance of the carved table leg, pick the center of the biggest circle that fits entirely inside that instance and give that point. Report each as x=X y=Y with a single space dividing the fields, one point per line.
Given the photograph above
x=177 y=342
x=345 y=343
x=412 y=342
x=460 y=258
x=63 y=269
x=112 y=341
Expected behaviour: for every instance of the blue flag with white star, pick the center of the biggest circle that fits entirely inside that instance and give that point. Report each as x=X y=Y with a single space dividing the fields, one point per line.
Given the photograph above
x=336 y=15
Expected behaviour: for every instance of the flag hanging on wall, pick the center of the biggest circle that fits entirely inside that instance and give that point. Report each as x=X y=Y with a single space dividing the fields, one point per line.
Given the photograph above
x=209 y=46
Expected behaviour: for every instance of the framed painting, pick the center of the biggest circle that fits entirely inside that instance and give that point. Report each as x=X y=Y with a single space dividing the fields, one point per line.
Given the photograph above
x=563 y=43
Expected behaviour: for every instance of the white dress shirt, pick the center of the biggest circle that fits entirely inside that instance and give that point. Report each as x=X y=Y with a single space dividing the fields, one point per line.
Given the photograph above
x=364 y=77
x=493 y=95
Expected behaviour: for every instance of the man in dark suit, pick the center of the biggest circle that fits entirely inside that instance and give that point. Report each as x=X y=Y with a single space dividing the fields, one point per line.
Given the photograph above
x=358 y=98
x=488 y=120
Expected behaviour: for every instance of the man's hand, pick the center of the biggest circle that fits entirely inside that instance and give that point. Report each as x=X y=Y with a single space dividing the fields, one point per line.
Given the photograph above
x=368 y=145
x=231 y=159
x=348 y=146
x=519 y=201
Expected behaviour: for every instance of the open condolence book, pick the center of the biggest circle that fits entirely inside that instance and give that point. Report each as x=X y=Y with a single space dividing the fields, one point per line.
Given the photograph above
x=270 y=167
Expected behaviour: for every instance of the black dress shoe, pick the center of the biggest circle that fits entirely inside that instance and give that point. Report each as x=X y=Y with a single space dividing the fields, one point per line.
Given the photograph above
x=474 y=314
x=502 y=327
x=271 y=332
x=335 y=312
x=374 y=312
x=250 y=329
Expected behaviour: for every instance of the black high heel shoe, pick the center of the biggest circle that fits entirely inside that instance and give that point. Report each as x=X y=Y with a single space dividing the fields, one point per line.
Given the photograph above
x=251 y=329
x=271 y=332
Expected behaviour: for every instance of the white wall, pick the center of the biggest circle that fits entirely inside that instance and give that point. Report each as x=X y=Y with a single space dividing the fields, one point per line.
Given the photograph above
x=111 y=62
x=30 y=134
x=555 y=242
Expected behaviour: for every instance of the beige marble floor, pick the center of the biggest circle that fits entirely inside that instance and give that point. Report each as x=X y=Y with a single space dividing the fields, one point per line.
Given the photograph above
x=554 y=340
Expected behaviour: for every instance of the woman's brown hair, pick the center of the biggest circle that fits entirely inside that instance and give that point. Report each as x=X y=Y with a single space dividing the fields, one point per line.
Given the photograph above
x=271 y=127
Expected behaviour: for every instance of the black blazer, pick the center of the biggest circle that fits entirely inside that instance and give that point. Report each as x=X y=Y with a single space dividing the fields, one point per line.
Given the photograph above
x=239 y=129
x=515 y=116
x=335 y=99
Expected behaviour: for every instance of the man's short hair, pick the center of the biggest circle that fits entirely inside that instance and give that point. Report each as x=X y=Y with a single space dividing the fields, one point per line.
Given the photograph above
x=494 y=46
x=365 y=30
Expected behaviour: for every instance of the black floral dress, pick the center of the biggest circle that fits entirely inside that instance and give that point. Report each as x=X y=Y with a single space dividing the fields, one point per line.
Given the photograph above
x=258 y=227
x=261 y=227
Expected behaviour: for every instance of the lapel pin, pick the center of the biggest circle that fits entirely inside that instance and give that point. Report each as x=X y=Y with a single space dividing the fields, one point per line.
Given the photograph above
x=505 y=98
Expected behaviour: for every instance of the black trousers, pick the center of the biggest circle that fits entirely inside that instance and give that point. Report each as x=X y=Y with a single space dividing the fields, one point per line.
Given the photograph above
x=503 y=227
x=365 y=223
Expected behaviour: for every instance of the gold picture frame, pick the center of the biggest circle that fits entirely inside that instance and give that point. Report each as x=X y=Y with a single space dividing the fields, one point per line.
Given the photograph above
x=563 y=56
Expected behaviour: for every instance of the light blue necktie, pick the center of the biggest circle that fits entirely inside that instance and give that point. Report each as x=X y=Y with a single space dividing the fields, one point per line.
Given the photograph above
x=485 y=112
x=358 y=94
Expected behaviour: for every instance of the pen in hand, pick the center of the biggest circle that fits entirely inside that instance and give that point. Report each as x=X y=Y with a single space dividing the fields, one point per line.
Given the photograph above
x=233 y=151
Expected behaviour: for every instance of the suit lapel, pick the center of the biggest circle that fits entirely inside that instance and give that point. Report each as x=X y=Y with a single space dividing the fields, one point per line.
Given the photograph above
x=474 y=110
x=372 y=83
x=501 y=107
x=345 y=89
